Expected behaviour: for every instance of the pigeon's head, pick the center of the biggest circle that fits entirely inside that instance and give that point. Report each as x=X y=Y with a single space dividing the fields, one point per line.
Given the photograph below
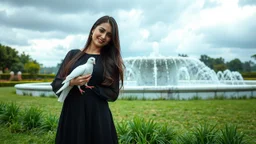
x=91 y=60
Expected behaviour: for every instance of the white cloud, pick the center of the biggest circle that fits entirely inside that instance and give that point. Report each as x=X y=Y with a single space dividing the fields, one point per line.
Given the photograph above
x=47 y=30
x=49 y=52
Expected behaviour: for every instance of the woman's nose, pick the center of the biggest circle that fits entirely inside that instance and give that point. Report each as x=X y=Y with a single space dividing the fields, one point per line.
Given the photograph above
x=104 y=35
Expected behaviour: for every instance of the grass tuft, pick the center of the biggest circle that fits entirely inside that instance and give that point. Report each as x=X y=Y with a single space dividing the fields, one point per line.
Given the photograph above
x=32 y=118
x=9 y=114
x=49 y=123
x=230 y=135
x=205 y=134
x=140 y=130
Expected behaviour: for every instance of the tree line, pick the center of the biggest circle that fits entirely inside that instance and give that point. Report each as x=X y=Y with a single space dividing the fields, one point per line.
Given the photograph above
x=11 y=60
x=219 y=64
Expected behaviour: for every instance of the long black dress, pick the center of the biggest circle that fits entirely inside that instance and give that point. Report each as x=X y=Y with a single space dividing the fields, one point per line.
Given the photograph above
x=86 y=118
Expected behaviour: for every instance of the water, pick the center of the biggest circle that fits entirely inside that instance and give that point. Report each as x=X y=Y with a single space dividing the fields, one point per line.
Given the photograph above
x=175 y=71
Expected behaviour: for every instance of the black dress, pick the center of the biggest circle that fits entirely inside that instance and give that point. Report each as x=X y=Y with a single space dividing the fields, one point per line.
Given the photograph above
x=86 y=119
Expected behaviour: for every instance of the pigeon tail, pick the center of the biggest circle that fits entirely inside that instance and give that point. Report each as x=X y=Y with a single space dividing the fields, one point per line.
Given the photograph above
x=63 y=87
x=64 y=94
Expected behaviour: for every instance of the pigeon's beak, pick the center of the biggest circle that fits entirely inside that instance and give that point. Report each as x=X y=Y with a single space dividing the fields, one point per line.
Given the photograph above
x=93 y=62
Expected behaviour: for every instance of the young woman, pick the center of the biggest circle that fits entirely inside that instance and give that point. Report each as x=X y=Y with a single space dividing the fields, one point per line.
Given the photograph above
x=86 y=118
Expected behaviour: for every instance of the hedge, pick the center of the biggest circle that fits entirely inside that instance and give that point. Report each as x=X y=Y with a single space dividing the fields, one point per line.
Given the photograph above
x=13 y=83
x=249 y=74
x=26 y=76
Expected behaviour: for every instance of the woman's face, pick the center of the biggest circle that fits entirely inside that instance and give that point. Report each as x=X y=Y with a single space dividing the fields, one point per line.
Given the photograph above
x=101 y=35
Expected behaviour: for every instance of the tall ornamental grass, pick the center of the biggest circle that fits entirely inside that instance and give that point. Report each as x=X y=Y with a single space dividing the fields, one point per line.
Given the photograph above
x=136 y=131
x=146 y=132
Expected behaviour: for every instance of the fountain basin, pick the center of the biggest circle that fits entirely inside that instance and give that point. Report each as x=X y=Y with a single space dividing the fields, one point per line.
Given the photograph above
x=159 y=92
x=34 y=89
x=190 y=92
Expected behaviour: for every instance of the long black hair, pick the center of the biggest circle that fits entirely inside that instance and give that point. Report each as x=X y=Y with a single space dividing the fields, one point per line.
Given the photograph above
x=111 y=54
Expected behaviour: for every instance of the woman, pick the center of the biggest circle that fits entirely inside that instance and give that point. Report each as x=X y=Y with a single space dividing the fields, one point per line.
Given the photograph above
x=86 y=118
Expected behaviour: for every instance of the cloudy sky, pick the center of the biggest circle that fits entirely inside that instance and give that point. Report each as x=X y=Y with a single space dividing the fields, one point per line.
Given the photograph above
x=48 y=29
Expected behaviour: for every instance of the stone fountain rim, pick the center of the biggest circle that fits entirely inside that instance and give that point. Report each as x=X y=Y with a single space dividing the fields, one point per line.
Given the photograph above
x=47 y=86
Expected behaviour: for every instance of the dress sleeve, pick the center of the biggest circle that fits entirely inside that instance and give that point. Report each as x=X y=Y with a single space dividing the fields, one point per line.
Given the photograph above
x=57 y=82
x=109 y=93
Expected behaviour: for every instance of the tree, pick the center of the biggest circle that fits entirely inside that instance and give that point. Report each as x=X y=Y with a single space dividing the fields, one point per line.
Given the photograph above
x=219 y=67
x=219 y=64
x=32 y=68
x=208 y=61
x=247 y=66
x=8 y=57
x=17 y=67
x=3 y=57
x=254 y=56
x=235 y=65
x=11 y=60
x=24 y=58
x=219 y=61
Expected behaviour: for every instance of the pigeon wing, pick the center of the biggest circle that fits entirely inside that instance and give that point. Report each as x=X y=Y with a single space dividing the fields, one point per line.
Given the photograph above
x=75 y=73
x=88 y=69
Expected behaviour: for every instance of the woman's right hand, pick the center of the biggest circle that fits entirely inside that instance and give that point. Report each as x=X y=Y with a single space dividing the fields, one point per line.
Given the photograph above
x=80 y=80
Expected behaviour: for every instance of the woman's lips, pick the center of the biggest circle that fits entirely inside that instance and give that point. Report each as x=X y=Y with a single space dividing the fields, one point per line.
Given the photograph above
x=100 y=41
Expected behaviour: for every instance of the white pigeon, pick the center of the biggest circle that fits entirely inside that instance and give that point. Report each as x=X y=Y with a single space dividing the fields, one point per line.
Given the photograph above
x=81 y=70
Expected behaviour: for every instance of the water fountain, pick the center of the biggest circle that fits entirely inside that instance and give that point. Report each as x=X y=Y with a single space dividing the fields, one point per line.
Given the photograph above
x=159 y=77
x=181 y=78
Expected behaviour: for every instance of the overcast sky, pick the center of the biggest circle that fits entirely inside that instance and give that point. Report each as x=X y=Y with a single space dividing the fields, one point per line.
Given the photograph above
x=48 y=29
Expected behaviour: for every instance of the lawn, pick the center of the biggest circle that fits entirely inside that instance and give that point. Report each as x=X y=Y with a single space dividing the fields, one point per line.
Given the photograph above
x=181 y=115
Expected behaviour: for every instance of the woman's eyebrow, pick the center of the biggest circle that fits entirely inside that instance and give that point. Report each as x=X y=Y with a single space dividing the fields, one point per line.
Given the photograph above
x=105 y=30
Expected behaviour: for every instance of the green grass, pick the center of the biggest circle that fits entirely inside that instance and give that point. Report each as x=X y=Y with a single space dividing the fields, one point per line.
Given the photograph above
x=6 y=137
x=182 y=115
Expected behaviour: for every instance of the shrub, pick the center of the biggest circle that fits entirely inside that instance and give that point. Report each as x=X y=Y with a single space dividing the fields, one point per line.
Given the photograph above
x=9 y=114
x=32 y=118
x=26 y=76
x=13 y=83
x=230 y=136
x=205 y=134
x=186 y=138
x=140 y=131
x=2 y=107
x=49 y=123
x=16 y=127
x=249 y=74
x=5 y=76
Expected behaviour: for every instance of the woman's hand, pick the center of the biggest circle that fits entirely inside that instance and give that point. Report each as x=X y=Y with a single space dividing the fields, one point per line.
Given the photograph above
x=80 y=80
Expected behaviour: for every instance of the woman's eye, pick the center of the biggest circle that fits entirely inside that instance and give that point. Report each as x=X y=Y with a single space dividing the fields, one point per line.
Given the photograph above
x=109 y=35
x=101 y=30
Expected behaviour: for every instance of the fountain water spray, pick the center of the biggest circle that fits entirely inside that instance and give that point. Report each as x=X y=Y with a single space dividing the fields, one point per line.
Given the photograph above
x=163 y=77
